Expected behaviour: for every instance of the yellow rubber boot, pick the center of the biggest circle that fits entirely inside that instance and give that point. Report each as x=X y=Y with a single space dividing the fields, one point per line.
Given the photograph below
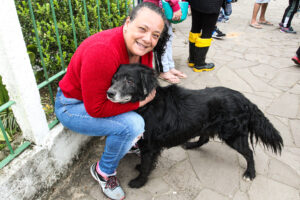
x=192 y=40
x=201 y=49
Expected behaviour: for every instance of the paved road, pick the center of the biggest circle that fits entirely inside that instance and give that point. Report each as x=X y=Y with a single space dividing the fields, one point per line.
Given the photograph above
x=255 y=62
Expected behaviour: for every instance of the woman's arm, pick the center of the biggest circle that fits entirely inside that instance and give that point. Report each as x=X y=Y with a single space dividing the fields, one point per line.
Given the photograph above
x=99 y=64
x=176 y=9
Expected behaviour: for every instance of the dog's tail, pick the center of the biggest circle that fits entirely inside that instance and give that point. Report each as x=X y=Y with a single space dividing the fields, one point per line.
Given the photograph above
x=262 y=129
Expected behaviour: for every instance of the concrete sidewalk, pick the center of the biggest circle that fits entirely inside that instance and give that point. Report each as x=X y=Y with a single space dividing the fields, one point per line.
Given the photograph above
x=254 y=62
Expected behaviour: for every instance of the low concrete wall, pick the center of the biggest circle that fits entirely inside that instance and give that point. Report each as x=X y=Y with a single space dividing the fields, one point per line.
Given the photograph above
x=37 y=169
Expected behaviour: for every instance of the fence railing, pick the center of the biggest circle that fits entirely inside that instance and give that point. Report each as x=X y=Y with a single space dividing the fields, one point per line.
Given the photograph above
x=100 y=7
x=13 y=153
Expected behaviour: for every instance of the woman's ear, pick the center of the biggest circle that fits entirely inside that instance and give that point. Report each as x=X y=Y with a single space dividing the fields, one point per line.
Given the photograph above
x=127 y=21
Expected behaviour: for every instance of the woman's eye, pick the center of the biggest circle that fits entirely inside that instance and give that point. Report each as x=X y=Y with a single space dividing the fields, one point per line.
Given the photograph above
x=156 y=36
x=142 y=29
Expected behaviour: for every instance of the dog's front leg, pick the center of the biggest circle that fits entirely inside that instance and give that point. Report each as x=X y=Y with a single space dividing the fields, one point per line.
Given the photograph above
x=148 y=160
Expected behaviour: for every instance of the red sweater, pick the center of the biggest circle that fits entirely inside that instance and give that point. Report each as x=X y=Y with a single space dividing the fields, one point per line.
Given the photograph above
x=91 y=69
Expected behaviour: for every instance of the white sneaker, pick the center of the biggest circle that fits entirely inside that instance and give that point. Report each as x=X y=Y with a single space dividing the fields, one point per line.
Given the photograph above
x=110 y=186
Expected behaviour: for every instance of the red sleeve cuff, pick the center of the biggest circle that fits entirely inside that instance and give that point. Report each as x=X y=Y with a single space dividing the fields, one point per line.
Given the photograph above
x=176 y=7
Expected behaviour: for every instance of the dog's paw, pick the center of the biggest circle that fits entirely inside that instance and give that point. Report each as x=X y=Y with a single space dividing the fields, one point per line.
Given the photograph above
x=138 y=167
x=248 y=176
x=137 y=182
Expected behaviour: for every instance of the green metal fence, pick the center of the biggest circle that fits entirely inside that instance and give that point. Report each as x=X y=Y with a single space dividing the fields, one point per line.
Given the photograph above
x=13 y=153
x=49 y=80
x=121 y=5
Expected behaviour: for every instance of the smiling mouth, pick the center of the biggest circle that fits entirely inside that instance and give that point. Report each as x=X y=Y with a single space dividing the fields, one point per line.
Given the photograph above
x=141 y=45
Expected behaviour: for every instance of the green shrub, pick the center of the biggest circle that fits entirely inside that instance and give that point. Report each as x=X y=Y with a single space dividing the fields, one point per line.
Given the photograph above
x=6 y=116
x=46 y=28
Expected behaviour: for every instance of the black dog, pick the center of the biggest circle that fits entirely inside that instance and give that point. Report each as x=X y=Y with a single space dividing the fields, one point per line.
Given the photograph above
x=177 y=115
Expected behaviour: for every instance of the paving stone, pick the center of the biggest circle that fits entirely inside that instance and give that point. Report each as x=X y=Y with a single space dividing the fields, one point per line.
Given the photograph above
x=171 y=196
x=210 y=195
x=290 y=156
x=176 y=154
x=285 y=121
x=163 y=165
x=244 y=185
x=261 y=102
x=255 y=83
x=295 y=89
x=219 y=161
x=204 y=80
x=286 y=79
x=240 y=196
x=295 y=128
x=267 y=189
x=183 y=180
x=258 y=58
x=265 y=71
x=135 y=194
x=230 y=79
x=286 y=105
x=266 y=94
x=283 y=173
x=280 y=62
x=238 y=63
x=152 y=186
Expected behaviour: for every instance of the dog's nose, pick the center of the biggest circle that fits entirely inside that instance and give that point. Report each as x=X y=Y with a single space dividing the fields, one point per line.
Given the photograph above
x=111 y=94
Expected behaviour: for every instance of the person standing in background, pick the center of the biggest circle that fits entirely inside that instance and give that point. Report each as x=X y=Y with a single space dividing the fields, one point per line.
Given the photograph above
x=263 y=4
x=285 y=24
x=204 y=18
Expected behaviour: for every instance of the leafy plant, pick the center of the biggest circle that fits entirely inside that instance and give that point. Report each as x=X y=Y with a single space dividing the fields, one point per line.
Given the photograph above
x=6 y=116
x=46 y=29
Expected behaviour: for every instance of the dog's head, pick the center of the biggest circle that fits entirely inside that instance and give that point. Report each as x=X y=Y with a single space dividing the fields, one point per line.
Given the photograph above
x=132 y=83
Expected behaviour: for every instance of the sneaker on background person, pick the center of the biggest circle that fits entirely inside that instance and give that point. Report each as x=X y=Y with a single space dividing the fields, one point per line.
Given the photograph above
x=296 y=60
x=287 y=30
x=217 y=34
x=110 y=185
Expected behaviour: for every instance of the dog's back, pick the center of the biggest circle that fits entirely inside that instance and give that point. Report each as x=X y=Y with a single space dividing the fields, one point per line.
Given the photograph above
x=176 y=110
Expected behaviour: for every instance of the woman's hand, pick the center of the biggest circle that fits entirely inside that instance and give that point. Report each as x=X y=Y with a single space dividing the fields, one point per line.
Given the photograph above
x=177 y=15
x=149 y=98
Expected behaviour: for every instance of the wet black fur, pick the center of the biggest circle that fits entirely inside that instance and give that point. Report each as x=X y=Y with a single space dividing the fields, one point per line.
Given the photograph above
x=178 y=114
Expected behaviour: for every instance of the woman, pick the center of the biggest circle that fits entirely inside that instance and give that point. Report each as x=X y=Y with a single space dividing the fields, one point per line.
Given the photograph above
x=204 y=18
x=81 y=102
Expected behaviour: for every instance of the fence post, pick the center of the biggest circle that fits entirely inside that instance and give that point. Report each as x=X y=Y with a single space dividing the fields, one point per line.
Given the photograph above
x=18 y=76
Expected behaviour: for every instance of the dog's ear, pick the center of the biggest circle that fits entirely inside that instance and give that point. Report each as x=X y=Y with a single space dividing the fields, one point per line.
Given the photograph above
x=149 y=81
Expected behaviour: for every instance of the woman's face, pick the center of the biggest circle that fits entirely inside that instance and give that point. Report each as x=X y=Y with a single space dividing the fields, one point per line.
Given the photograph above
x=141 y=34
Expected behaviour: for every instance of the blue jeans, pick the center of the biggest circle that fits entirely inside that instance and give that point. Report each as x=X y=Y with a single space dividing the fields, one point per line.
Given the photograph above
x=167 y=57
x=121 y=130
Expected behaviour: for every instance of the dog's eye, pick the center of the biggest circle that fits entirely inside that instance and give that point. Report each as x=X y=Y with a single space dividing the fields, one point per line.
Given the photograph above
x=129 y=82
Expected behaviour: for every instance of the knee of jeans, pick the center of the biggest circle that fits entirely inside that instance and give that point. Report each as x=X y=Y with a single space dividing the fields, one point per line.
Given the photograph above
x=137 y=127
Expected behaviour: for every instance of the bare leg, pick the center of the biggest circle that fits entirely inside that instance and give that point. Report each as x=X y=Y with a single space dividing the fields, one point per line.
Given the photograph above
x=255 y=12
x=262 y=17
